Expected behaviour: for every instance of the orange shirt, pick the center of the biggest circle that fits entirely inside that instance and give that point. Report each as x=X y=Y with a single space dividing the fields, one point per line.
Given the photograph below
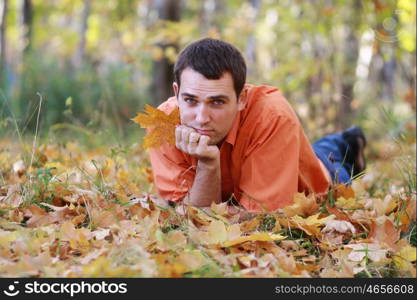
x=265 y=159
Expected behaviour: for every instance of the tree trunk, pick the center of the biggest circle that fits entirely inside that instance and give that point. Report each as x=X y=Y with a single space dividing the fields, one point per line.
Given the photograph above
x=26 y=104
x=251 y=42
x=351 y=53
x=26 y=25
x=163 y=70
x=80 y=54
x=210 y=15
x=3 y=14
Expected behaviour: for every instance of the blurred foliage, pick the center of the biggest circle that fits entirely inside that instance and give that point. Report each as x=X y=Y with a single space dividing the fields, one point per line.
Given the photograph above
x=302 y=47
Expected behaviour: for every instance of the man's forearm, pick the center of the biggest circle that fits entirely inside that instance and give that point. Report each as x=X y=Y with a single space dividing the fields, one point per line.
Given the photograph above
x=207 y=184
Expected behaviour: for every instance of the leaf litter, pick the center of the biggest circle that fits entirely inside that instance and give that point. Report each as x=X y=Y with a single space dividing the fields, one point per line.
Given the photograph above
x=88 y=213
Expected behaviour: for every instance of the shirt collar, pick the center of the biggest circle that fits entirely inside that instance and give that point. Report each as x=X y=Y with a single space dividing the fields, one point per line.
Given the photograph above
x=231 y=136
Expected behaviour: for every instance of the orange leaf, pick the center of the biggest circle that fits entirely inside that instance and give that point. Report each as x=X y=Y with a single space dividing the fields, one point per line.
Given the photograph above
x=302 y=205
x=162 y=126
x=340 y=215
x=383 y=231
x=341 y=190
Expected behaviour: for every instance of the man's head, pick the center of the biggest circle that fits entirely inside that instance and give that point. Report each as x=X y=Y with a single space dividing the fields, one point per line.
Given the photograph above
x=212 y=58
x=210 y=76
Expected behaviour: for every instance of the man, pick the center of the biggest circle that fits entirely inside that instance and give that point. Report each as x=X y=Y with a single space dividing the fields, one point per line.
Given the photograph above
x=242 y=142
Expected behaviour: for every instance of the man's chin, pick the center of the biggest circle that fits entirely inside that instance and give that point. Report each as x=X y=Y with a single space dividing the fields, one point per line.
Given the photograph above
x=216 y=142
x=213 y=142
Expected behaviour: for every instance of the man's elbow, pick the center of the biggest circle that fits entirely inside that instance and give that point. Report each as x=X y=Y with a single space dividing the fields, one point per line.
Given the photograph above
x=197 y=202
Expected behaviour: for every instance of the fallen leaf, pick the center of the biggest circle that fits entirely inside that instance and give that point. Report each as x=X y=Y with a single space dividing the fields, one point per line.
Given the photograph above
x=78 y=238
x=348 y=203
x=173 y=240
x=386 y=206
x=191 y=259
x=303 y=205
x=263 y=237
x=220 y=209
x=19 y=168
x=339 y=226
x=362 y=250
x=384 y=232
x=311 y=224
x=405 y=256
x=341 y=190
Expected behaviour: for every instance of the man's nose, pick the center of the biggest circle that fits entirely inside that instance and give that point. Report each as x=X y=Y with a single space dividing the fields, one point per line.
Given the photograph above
x=203 y=114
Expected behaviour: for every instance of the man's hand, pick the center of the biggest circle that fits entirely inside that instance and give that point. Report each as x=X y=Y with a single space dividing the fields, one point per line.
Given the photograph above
x=207 y=182
x=191 y=142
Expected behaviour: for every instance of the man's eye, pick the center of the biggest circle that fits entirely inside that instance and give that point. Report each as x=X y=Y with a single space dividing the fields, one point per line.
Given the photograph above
x=189 y=100
x=218 y=102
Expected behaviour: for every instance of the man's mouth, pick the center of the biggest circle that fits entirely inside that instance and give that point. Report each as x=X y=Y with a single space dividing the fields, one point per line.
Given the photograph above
x=205 y=131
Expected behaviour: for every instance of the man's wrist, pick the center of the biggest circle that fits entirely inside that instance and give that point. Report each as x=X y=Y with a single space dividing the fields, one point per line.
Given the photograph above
x=209 y=163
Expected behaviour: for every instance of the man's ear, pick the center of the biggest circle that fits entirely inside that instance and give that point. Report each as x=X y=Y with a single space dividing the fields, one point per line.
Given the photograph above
x=176 y=89
x=242 y=99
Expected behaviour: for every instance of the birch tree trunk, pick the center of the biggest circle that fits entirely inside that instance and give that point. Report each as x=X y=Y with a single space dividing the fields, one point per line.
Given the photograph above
x=251 y=42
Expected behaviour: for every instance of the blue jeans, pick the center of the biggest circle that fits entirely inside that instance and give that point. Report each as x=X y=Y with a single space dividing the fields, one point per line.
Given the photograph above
x=331 y=150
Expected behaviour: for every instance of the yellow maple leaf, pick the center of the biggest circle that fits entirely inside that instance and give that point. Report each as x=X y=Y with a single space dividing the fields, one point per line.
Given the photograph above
x=262 y=237
x=192 y=259
x=78 y=238
x=406 y=255
x=217 y=232
x=312 y=220
x=349 y=203
x=302 y=205
x=310 y=225
x=161 y=125
x=102 y=267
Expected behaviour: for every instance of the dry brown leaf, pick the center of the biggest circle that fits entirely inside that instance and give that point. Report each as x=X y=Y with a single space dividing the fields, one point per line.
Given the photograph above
x=385 y=206
x=366 y=250
x=303 y=205
x=191 y=259
x=19 y=168
x=13 y=198
x=341 y=190
x=339 y=226
x=407 y=215
x=384 y=232
x=311 y=224
x=340 y=215
x=37 y=216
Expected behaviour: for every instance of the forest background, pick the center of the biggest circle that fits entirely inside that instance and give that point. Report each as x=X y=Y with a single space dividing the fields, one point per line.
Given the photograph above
x=96 y=63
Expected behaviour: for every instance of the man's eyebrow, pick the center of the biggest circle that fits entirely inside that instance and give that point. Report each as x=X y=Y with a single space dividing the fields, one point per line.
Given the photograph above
x=215 y=97
x=219 y=97
x=188 y=95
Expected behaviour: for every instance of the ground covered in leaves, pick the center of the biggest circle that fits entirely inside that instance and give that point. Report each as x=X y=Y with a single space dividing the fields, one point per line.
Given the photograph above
x=68 y=211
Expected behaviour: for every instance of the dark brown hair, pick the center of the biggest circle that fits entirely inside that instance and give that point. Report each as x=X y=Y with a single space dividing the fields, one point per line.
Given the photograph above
x=211 y=58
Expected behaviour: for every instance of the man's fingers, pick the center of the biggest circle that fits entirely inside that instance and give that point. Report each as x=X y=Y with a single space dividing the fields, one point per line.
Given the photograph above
x=178 y=137
x=192 y=145
x=204 y=140
x=186 y=139
x=194 y=137
x=185 y=132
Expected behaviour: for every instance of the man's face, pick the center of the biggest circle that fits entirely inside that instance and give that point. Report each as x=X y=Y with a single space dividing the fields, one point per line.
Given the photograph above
x=209 y=106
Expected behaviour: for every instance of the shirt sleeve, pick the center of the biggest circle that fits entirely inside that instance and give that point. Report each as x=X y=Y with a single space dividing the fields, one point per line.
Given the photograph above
x=269 y=177
x=173 y=174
